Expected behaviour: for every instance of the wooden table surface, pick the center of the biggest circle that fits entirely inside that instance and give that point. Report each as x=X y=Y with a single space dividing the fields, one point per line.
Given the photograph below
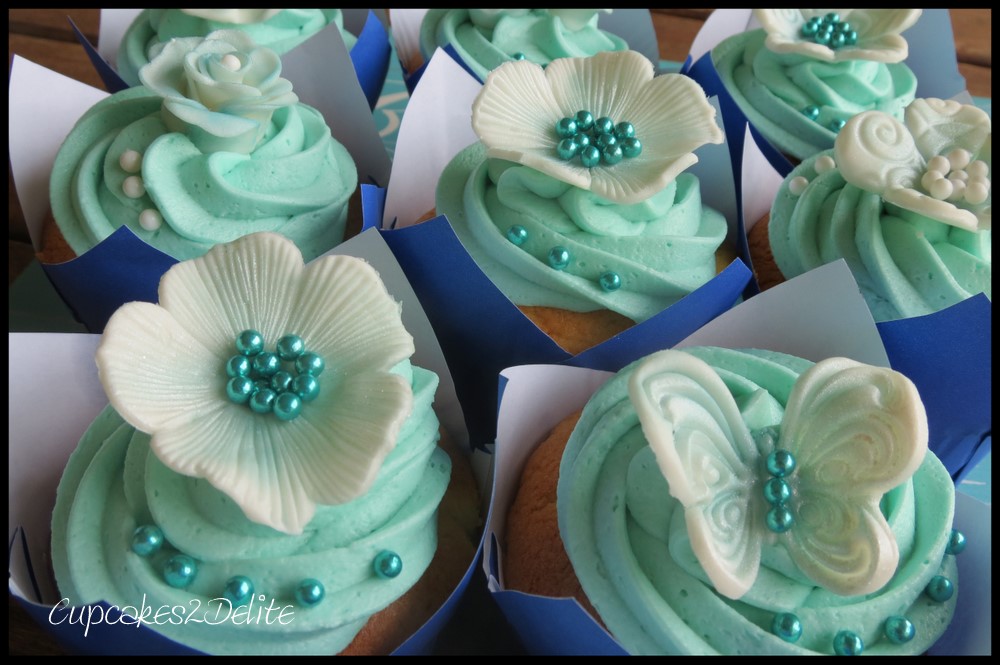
x=45 y=37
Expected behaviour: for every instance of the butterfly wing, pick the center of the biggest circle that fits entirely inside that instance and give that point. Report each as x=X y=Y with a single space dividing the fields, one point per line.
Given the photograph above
x=856 y=432
x=708 y=457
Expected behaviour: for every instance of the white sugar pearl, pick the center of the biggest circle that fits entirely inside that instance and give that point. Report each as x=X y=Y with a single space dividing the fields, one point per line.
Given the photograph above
x=958 y=174
x=930 y=178
x=959 y=158
x=797 y=185
x=957 y=189
x=150 y=219
x=232 y=62
x=133 y=187
x=978 y=169
x=130 y=161
x=824 y=164
x=940 y=188
x=938 y=163
x=977 y=191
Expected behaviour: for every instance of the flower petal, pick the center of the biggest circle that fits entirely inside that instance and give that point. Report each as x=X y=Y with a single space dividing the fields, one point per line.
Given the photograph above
x=154 y=372
x=515 y=115
x=343 y=312
x=784 y=22
x=940 y=125
x=251 y=282
x=942 y=211
x=876 y=152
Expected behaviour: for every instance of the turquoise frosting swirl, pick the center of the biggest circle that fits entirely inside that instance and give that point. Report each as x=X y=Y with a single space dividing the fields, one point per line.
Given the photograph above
x=484 y=44
x=280 y=33
x=296 y=182
x=772 y=89
x=906 y=264
x=113 y=484
x=662 y=248
x=629 y=545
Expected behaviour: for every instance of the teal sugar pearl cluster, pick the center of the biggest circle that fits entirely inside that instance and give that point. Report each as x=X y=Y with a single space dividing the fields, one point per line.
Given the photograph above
x=777 y=491
x=596 y=142
x=812 y=112
x=829 y=31
x=559 y=258
x=277 y=382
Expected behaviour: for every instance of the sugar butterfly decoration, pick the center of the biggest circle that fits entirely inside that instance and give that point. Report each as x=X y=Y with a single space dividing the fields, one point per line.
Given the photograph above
x=850 y=433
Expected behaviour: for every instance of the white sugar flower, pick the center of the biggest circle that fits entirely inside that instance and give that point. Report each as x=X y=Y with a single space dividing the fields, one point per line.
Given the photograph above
x=937 y=164
x=865 y=34
x=175 y=371
x=602 y=123
x=220 y=91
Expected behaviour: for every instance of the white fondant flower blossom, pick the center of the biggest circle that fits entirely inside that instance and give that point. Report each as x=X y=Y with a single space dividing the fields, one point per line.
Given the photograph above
x=220 y=91
x=234 y=16
x=520 y=105
x=877 y=33
x=937 y=164
x=164 y=368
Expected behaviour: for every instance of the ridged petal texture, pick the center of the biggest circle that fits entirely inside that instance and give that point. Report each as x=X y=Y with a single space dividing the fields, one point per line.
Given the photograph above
x=516 y=113
x=163 y=367
x=879 y=33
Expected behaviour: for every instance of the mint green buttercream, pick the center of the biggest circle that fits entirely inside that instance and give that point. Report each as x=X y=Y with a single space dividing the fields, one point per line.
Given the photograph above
x=905 y=264
x=296 y=182
x=541 y=37
x=629 y=545
x=662 y=248
x=280 y=33
x=113 y=484
x=772 y=89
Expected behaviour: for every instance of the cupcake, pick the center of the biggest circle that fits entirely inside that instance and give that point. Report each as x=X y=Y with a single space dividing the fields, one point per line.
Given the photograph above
x=574 y=201
x=699 y=517
x=486 y=38
x=906 y=204
x=806 y=72
x=280 y=30
x=284 y=488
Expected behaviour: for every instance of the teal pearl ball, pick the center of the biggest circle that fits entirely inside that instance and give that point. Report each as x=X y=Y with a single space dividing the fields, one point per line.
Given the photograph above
x=566 y=128
x=290 y=347
x=631 y=147
x=780 y=519
x=584 y=120
x=287 y=406
x=559 y=257
x=822 y=37
x=604 y=140
x=310 y=592
x=610 y=281
x=310 y=363
x=899 y=630
x=180 y=570
x=939 y=589
x=387 y=564
x=266 y=364
x=831 y=17
x=838 y=40
x=281 y=381
x=238 y=590
x=590 y=156
x=147 y=539
x=780 y=463
x=306 y=386
x=262 y=401
x=250 y=342
x=518 y=56
x=612 y=155
x=238 y=365
x=604 y=125
x=787 y=626
x=777 y=491
x=956 y=543
x=567 y=149
x=837 y=124
x=517 y=234
x=848 y=643
x=239 y=389
x=625 y=130
x=582 y=141
x=809 y=28
x=851 y=37
x=811 y=112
